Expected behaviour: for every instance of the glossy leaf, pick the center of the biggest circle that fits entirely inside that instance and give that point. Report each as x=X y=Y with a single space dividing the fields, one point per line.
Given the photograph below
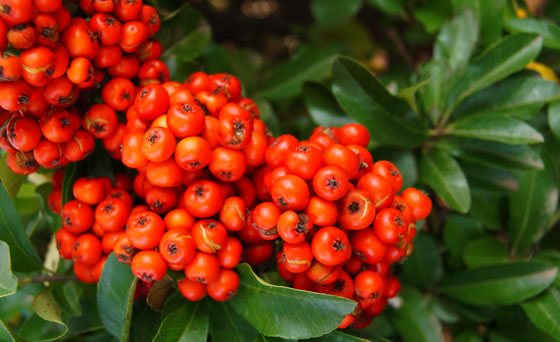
x=5 y=334
x=322 y=106
x=499 y=285
x=287 y=79
x=322 y=313
x=458 y=231
x=332 y=12
x=71 y=173
x=409 y=93
x=484 y=252
x=489 y=179
x=22 y=252
x=552 y=258
x=549 y=31
x=115 y=293
x=184 y=33
x=432 y=14
x=554 y=118
x=226 y=324
x=499 y=128
x=388 y=6
x=435 y=96
x=189 y=322
x=493 y=154
x=10 y=180
x=424 y=267
x=414 y=320
x=444 y=175
x=489 y=16
x=500 y=60
x=518 y=96
x=531 y=208
x=8 y=282
x=456 y=41
x=543 y=312
x=67 y=296
x=366 y=100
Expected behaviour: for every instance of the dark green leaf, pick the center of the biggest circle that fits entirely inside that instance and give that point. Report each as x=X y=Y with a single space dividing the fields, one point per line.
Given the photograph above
x=414 y=319
x=409 y=93
x=269 y=116
x=490 y=209
x=68 y=297
x=226 y=324
x=47 y=325
x=444 y=175
x=498 y=128
x=492 y=154
x=458 y=231
x=184 y=33
x=333 y=12
x=468 y=336
x=505 y=57
x=322 y=106
x=432 y=14
x=288 y=78
x=23 y=254
x=514 y=324
x=456 y=41
x=518 y=96
x=489 y=179
x=483 y=314
x=115 y=293
x=255 y=298
x=484 y=252
x=145 y=322
x=339 y=336
x=554 y=118
x=388 y=6
x=549 y=31
x=444 y=311
x=424 y=267
x=5 y=334
x=70 y=175
x=99 y=163
x=531 y=208
x=8 y=282
x=53 y=220
x=499 y=285
x=366 y=100
x=189 y=322
x=552 y=258
x=435 y=95
x=543 y=312
x=489 y=15
x=10 y=180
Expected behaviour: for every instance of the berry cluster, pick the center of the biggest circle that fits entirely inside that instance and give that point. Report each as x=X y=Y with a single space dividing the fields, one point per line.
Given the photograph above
x=339 y=216
x=53 y=64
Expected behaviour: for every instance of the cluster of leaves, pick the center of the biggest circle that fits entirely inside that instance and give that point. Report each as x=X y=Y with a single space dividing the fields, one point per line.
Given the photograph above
x=471 y=125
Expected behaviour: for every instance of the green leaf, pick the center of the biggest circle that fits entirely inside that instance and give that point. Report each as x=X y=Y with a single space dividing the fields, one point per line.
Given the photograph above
x=23 y=254
x=490 y=209
x=424 y=267
x=226 y=324
x=543 y=312
x=456 y=41
x=70 y=175
x=514 y=324
x=444 y=175
x=5 y=334
x=366 y=100
x=189 y=322
x=485 y=252
x=388 y=6
x=432 y=14
x=269 y=116
x=435 y=95
x=8 y=282
x=489 y=179
x=333 y=12
x=531 y=208
x=287 y=79
x=115 y=293
x=552 y=258
x=499 y=128
x=10 y=180
x=145 y=322
x=518 y=96
x=68 y=297
x=322 y=106
x=505 y=57
x=458 y=231
x=492 y=154
x=554 y=118
x=489 y=16
x=409 y=93
x=414 y=320
x=184 y=33
x=549 y=31
x=339 y=336
x=47 y=324
x=255 y=298
x=499 y=285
